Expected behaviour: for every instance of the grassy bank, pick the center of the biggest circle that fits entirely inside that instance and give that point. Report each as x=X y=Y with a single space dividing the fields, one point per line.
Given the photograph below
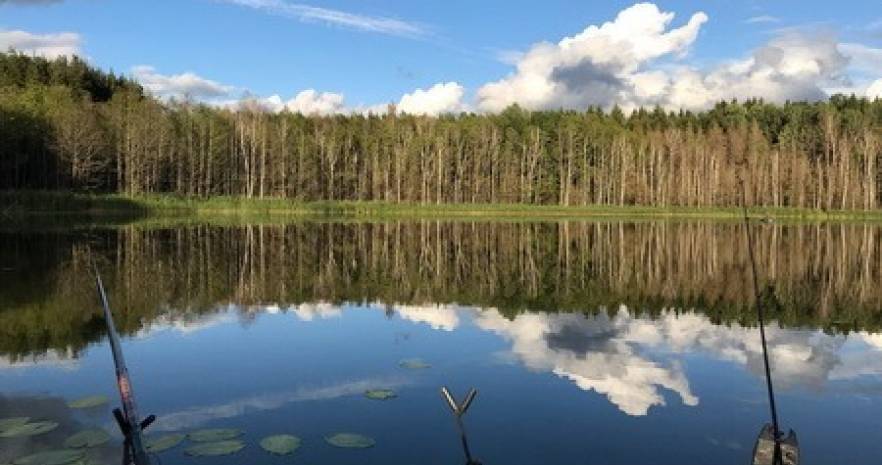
x=32 y=204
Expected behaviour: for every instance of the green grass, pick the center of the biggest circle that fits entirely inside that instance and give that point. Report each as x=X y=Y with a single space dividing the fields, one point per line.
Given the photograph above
x=34 y=204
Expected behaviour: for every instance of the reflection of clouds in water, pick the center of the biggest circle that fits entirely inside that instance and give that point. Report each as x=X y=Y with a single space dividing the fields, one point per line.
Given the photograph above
x=186 y=323
x=603 y=353
x=61 y=359
x=593 y=353
x=199 y=415
x=440 y=317
x=318 y=310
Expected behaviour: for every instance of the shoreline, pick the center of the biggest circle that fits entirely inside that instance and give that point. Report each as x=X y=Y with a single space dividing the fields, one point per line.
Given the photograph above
x=31 y=204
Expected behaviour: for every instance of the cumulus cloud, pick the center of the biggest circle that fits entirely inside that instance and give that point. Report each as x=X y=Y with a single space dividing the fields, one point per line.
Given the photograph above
x=441 y=98
x=45 y=45
x=630 y=359
x=593 y=67
x=634 y=61
x=185 y=85
x=378 y=24
x=440 y=317
x=875 y=90
x=593 y=353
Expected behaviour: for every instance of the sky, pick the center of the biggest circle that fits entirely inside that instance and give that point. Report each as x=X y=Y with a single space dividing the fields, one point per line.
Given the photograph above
x=433 y=57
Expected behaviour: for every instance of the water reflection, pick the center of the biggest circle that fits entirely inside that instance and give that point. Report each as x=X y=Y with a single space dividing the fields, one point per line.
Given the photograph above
x=295 y=365
x=824 y=275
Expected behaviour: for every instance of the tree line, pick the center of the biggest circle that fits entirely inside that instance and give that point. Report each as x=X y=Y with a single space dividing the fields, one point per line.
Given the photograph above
x=66 y=125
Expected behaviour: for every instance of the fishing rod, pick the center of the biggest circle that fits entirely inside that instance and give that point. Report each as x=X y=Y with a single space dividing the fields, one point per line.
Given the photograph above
x=784 y=451
x=127 y=418
x=458 y=410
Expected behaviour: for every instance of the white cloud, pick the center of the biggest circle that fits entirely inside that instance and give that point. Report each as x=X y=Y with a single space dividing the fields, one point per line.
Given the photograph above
x=629 y=359
x=378 y=24
x=863 y=59
x=185 y=85
x=875 y=90
x=440 y=98
x=440 y=317
x=595 y=354
x=320 y=310
x=633 y=61
x=762 y=19
x=594 y=66
x=46 y=45
x=311 y=102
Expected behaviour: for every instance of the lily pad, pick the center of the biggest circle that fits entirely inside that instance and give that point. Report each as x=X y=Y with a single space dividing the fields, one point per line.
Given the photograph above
x=51 y=457
x=87 y=438
x=29 y=429
x=214 y=435
x=6 y=423
x=380 y=394
x=414 y=364
x=282 y=444
x=350 y=441
x=164 y=443
x=215 y=449
x=88 y=402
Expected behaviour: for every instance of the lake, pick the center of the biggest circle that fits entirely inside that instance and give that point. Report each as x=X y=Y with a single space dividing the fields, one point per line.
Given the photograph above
x=613 y=342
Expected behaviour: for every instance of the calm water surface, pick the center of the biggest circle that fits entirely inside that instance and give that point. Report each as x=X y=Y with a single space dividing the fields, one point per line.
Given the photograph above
x=614 y=343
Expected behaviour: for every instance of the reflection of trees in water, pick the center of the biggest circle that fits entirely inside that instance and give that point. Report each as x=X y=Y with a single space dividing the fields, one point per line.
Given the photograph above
x=821 y=273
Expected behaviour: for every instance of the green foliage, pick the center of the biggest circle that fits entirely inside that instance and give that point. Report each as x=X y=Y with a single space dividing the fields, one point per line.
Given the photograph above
x=51 y=457
x=281 y=444
x=215 y=449
x=66 y=125
x=213 y=435
x=88 y=402
x=163 y=443
x=87 y=438
x=350 y=441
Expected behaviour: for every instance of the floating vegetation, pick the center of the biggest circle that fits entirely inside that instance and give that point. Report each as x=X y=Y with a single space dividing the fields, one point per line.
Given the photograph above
x=350 y=441
x=51 y=457
x=163 y=443
x=87 y=438
x=380 y=394
x=88 y=402
x=214 y=435
x=29 y=429
x=281 y=444
x=13 y=422
x=215 y=449
x=414 y=364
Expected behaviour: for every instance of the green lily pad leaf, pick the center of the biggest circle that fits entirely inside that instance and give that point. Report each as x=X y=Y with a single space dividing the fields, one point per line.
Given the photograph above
x=163 y=443
x=350 y=441
x=6 y=423
x=88 y=402
x=414 y=364
x=29 y=429
x=215 y=449
x=214 y=435
x=380 y=394
x=87 y=438
x=51 y=457
x=282 y=444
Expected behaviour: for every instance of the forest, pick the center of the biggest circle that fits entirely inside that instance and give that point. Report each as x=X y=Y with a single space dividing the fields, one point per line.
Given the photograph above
x=65 y=125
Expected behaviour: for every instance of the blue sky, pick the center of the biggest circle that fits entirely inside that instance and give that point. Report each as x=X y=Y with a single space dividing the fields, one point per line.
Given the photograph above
x=367 y=53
